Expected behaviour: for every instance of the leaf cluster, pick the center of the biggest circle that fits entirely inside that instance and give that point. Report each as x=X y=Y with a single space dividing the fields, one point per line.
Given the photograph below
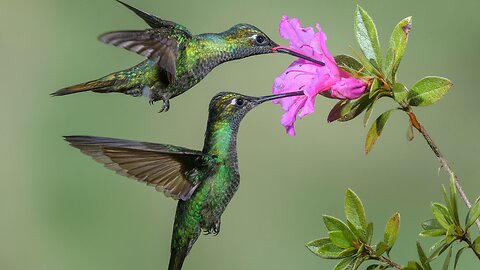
x=446 y=224
x=381 y=76
x=351 y=241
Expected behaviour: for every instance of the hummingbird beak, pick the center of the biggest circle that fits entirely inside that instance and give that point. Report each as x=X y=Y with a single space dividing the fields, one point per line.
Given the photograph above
x=281 y=49
x=260 y=100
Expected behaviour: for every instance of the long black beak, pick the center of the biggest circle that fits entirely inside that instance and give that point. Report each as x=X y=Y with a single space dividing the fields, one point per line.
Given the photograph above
x=299 y=55
x=272 y=97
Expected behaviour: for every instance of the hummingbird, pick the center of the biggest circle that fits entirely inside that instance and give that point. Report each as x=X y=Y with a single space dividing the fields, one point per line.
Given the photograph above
x=203 y=182
x=176 y=59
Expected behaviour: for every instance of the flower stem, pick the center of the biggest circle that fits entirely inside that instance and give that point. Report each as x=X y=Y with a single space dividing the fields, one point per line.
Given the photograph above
x=390 y=262
x=443 y=162
x=373 y=256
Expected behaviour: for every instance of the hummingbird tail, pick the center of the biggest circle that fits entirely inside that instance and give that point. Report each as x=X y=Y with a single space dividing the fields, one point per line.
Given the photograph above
x=177 y=258
x=95 y=86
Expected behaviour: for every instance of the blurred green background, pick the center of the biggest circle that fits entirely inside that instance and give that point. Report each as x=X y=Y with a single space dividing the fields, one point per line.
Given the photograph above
x=61 y=210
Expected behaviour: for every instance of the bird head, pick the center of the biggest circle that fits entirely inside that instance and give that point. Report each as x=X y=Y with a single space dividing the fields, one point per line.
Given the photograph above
x=232 y=107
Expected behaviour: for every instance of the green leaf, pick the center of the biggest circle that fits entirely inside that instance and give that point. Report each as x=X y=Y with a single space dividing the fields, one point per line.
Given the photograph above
x=355 y=213
x=457 y=257
x=373 y=88
x=453 y=201
x=345 y=264
x=447 y=259
x=349 y=64
x=433 y=233
x=428 y=90
x=339 y=239
x=339 y=110
x=450 y=235
x=369 y=110
x=412 y=265
x=346 y=110
x=376 y=130
x=369 y=68
x=439 y=250
x=369 y=232
x=444 y=211
x=396 y=46
x=441 y=219
x=391 y=230
x=400 y=92
x=423 y=257
x=330 y=251
x=358 y=262
x=348 y=252
x=367 y=37
x=361 y=249
x=476 y=244
x=473 y=214
x=373 y=267
x=356 y=232
x=381 y=248
x=324 y=248
x=437 y=244
x=314 y=245
x=336 y=225
x=431 y=224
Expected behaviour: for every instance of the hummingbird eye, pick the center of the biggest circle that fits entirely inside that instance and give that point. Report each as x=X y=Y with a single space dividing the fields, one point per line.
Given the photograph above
x=238 y=101
x=260 y=40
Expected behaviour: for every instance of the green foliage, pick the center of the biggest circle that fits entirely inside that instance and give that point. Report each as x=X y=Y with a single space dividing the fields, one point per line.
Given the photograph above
x=400 y=92
x=376 y=130
x=355 y=214
x=396 y=47
x=351 y=241
x=446 y=224
x=367 y=37
x=473 y=214
x=391 y=231
x=428 y=90
x=382 y=79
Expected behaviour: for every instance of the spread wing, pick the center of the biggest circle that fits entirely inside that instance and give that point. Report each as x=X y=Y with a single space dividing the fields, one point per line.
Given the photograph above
x=156 y=22
x=165 y=167
x=159 y=44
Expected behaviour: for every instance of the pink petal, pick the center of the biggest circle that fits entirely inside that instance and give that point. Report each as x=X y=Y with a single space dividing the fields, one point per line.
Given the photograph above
x=348 y=88
x=292 y=30
x=289 y=118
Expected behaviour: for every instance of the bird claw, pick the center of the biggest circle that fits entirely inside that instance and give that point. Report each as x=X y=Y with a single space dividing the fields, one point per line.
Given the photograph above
x=165 y=106
x=166 y=102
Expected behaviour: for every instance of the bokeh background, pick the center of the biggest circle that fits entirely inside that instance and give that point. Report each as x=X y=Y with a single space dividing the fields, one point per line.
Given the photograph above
x=61 y=210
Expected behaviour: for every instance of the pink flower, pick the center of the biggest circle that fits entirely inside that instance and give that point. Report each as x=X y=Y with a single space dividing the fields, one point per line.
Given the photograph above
x=328 y=80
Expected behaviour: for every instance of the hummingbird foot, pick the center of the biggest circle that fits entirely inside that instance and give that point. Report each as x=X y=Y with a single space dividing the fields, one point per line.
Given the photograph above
x=166 y=103
x=165 y=98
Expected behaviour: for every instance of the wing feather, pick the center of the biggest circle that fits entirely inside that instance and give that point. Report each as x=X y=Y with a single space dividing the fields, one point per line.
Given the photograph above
x=164 y=167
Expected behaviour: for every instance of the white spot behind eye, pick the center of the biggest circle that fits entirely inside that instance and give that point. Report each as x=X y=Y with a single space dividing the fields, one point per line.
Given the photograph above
x=233 y=102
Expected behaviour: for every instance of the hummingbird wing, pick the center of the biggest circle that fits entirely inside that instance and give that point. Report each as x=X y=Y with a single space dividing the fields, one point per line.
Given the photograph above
x=156 y=22
x=159 y=45
x=166 y=167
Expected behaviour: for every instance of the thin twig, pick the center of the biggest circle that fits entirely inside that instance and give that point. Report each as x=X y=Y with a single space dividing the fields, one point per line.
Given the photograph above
x=373 y=256
x=443 y=162
x=470 y=244
x=390 y=262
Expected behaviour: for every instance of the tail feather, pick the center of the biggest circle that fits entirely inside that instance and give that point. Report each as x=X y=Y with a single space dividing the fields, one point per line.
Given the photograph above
x=177 y=258
x=95 y=86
